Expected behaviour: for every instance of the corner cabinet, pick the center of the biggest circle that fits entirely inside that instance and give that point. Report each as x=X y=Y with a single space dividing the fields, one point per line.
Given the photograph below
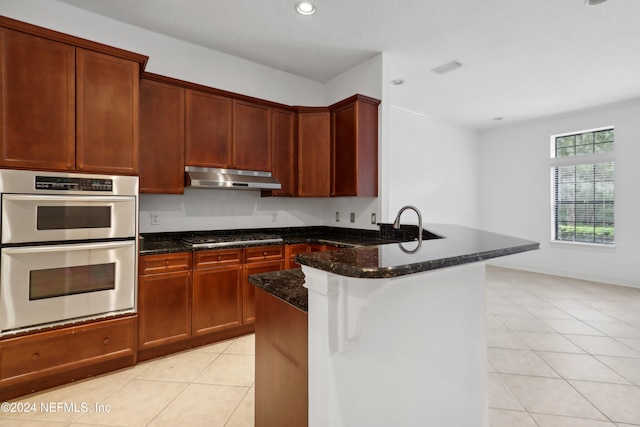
x=284 y=151
x=67 y=103
x=314 y=152
x=354 y=147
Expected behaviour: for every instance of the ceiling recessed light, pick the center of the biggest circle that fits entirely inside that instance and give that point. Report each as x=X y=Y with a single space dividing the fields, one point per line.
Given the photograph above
x=305 y=8
x=498 y=118
x=397 y=82
x=593 y=2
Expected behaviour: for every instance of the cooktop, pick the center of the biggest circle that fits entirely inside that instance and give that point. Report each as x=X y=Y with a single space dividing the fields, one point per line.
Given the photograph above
x=217 y=240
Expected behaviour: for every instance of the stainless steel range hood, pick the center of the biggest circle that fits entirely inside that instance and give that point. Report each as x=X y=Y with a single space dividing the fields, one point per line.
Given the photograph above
x=231 y=179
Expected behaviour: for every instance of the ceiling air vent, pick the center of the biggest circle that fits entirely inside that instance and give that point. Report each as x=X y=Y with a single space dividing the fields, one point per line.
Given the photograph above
x=449 y=66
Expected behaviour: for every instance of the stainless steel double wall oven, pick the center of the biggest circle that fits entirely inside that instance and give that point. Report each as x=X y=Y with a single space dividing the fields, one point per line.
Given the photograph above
x=68 y=250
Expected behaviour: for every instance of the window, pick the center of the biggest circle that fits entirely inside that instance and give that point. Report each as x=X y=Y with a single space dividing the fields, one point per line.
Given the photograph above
x=583 y=187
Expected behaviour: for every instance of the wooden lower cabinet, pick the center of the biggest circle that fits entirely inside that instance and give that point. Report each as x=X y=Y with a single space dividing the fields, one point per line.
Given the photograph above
x=164 y=299
x=282 y=370
x=260 y=259
x=41 y=360
x=292 y=251
x=248 y=300
x=164 y=308
x=217 y=299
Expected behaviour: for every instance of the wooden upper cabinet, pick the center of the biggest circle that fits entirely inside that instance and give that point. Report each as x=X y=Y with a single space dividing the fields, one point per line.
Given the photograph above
x=251 y=136
x=313 y=152
x=208 y=130
x=107 y=113
x=284 y=151
x=162 y=108
x=37 y=94
x=354 y=147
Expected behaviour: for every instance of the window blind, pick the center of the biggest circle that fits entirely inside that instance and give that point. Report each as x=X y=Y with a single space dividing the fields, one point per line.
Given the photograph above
x=583 y=193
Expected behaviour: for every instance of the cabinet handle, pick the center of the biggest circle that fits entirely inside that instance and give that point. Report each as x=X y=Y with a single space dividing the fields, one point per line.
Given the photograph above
x=166 y=262
x=106 y=341
x=219 y=257
x=35 y=356
x=264 y=253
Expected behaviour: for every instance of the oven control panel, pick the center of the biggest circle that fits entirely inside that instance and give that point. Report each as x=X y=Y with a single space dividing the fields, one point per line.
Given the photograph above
x=73 y=184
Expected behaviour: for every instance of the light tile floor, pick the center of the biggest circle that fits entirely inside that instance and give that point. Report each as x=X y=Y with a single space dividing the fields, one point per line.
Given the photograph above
x=562 y=353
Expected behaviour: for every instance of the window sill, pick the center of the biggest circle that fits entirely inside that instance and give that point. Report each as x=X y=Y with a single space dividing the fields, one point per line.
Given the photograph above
x=581 y=245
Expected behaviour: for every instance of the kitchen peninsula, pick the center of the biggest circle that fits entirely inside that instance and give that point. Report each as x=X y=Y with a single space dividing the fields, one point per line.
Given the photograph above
x=395 y=331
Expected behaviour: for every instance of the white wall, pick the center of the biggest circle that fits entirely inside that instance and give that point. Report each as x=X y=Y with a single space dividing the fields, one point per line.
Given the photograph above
x=515 y=194
x=433 y=166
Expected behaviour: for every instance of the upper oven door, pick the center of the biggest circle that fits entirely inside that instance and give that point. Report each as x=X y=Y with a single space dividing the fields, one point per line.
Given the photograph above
x=48 y=218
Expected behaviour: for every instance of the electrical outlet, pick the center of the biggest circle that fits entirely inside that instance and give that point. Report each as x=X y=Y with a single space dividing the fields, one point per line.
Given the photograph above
x=373 y=218
x=337 y=216
x=352 y=217
x=155 y=219
x=274 y=217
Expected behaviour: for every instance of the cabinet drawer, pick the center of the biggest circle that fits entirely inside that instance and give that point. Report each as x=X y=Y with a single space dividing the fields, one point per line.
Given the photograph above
x=151 y=264
x=263 y=253
x=218 y=258
x=61 y=348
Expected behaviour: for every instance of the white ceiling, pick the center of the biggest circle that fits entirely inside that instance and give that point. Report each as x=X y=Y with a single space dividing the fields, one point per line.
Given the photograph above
x=522 y=59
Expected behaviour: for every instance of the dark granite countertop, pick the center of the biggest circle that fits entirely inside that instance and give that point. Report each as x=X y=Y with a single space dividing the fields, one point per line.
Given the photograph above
x=446 y=246
x=170 y=242
x=286 y=285
x=457 y=245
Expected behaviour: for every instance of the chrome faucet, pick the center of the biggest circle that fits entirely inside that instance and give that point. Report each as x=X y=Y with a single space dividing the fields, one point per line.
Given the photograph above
x=396 y=223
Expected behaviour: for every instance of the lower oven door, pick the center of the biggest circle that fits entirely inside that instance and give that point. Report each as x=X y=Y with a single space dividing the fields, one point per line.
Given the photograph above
x=56 y=284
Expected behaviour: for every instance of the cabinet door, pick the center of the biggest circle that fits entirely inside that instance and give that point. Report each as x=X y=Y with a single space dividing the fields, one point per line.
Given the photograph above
x=161 y=138
x=107 y=113
x=37 y=110
x=354 y=147
x=313 y=153
x=217 y=299
x=284 y=151
x=344 y=151
x=292 y=251
x=208 y=130
x=251 y=136
x=248 y=297
x=282 y=371
x=164 y=308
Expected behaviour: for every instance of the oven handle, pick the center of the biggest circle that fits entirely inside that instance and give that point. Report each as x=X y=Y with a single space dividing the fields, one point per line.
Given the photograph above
x=67 y=198
x=70 y=247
